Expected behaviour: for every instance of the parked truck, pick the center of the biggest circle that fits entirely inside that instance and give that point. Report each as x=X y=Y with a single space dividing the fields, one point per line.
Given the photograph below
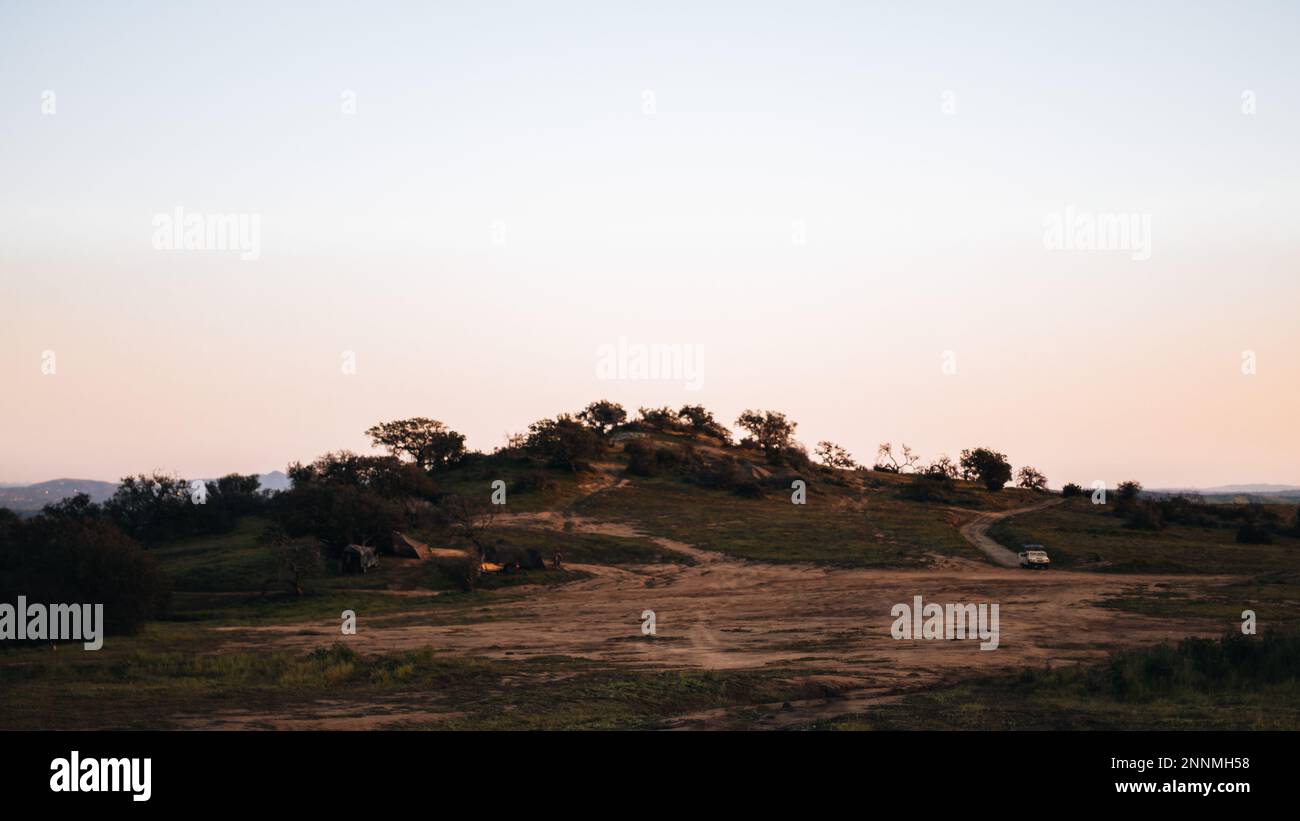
x=1033 y=556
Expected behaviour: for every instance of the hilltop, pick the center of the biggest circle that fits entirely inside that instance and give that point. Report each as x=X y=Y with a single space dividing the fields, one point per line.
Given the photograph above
x=766 y=580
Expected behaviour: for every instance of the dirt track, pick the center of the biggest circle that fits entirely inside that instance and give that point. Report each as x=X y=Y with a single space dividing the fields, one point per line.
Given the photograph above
x=723 y=613
x=976 y=532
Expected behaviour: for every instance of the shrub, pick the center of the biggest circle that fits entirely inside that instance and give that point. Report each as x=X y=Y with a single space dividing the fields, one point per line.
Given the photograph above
x=462 y=571
x=533 y=482
x=1254 y=532
x=1235 y=662
x=1188 y=511
x=770 y=430
x=384 y=475
x=701 y=421
x=943 y=466
x=340 y=514
x=603 y=416
x=564 y=442
x=1070 y=490
x=927 y=487
x=720 y=474
x=71 y=560
x=666 y=458
x=1128 y=491
x=834 y=456
x=794 y=455
x=662 y=419
x=152 y=508
x=1143 y=517
x=642 y=463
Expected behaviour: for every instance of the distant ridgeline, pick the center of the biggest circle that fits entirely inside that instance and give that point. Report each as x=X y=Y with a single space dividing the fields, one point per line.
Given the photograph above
x=1233 y=494
x=31 y=498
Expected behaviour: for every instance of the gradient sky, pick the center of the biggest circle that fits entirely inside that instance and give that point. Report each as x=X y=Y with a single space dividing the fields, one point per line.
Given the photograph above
x=501 y=204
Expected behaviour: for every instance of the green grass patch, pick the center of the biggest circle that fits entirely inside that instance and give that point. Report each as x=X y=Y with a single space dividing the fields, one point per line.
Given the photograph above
x=1234 y=683
x=837 y=525
x=158 y=689
x=588 y=548
x=227 y=561
x=1082 y=536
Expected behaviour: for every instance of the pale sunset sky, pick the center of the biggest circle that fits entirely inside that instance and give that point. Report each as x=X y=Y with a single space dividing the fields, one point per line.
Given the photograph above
x=832 y=201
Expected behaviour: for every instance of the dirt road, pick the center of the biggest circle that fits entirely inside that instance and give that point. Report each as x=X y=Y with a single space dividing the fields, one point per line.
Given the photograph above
x=976 y=532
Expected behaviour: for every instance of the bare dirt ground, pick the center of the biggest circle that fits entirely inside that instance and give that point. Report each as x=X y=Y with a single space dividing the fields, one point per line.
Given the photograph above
x=831 y=626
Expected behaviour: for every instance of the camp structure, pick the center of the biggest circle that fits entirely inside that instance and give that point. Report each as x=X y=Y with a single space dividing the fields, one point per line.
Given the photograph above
x=358 y=558
x=404 y=545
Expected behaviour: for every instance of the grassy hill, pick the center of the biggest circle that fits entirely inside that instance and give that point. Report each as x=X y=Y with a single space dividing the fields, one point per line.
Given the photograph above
x=649 y=507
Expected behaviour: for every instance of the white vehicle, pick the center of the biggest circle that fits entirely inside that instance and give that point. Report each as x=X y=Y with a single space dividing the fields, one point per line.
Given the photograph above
x=1034 y=557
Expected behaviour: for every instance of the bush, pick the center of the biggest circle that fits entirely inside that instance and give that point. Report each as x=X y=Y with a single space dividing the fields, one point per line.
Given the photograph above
x=927 y=487
x=1188 y=511
x=55 y=559
x=667 y=458
x=660 y=419
x=340 y=514
x=721 y=474
x=564 y=442
x=462 y=571
x=153 y=508
x=701 y=421
x=603 y=416
x=834 y=456
x=793 y=454
x=384 y=475
x=1070 y=490
x=642 y=464
x=1143 y=517
x=1235 y=662
x=534 y=482
x=769 y=430
x=1254 y=532
x=1128 y=491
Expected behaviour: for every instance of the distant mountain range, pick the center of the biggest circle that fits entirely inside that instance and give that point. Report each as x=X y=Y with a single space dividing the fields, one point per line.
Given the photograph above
x=37 y=496
x=1261 y=488
x=1261 y=493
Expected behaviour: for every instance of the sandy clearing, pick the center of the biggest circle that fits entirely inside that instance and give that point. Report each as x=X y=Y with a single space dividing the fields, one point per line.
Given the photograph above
x=726 y=614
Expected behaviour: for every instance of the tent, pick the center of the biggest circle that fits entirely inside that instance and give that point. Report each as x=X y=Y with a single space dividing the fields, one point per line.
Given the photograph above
x=358 y=558
x=404 y=545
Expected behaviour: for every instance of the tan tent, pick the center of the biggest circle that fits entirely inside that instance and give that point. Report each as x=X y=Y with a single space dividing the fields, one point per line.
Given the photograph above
x=404 y=545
